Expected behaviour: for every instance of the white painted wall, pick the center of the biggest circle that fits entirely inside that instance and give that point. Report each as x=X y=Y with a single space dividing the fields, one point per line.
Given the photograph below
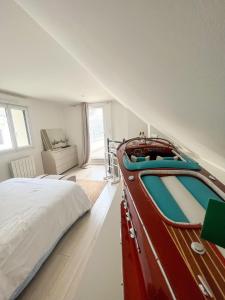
x=41 y=68
x=217 y=171
x=119 y=121
x=42 y=114
x=125 y=124
x=164 y=59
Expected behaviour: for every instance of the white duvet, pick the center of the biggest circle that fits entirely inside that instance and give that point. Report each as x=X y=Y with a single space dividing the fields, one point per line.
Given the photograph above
x=34 y=213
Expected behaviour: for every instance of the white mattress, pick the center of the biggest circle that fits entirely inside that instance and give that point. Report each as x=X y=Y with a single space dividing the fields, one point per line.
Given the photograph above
x=34 y=213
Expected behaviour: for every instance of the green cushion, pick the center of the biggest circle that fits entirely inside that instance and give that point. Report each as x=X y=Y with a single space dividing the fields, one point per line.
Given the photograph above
x=199 y=190
x=214 y=223
x=140 y=158
x=163 y=198
x=155 y=164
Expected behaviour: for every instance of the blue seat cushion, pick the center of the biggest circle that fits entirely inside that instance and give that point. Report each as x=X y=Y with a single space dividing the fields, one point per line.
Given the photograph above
x=140 y=158
x=163 y=198
x=201 y=192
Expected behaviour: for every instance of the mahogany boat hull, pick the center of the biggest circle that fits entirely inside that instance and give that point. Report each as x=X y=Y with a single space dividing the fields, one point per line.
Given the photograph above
x=155 y=264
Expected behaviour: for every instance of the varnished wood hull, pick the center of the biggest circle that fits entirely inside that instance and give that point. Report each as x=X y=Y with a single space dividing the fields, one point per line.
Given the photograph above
x=158 y=262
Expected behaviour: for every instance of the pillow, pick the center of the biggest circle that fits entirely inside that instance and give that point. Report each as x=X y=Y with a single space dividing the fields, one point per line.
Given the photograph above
x=139 y=158
x=167 y=157
x=158 y=157
x=133 y=158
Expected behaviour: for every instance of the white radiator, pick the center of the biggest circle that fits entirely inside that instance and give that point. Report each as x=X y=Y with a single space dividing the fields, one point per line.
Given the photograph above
x=23 y=167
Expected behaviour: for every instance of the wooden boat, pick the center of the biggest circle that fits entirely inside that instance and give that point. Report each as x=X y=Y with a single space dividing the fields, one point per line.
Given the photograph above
x=165 y=198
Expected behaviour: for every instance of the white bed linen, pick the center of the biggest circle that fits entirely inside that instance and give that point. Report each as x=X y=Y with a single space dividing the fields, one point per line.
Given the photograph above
x=34 y=213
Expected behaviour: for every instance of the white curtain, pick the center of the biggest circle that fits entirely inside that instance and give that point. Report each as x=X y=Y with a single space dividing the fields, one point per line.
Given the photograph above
x=86 y=135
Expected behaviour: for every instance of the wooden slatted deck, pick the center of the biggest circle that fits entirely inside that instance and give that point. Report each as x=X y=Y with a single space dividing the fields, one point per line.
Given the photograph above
x=209 y=266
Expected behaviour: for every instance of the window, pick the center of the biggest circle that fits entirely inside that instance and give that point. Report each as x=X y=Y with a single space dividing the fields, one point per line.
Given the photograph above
x=5 y=138
x=14 y=127
x=97 y=134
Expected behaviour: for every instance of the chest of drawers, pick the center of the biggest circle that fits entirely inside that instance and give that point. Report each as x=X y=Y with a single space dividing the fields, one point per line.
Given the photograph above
x=60 y=160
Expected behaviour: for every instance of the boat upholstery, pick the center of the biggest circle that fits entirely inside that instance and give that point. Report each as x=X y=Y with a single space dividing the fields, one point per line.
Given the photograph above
x=169 y=158
x=158 y=157
x=154 y=164
x=198 y=189
x=139 y=158
x=192 y=209
x=180 y=198
x=163 y=198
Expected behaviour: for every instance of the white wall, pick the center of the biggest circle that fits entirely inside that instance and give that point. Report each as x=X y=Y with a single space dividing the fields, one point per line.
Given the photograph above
x=42 y=114
x=40 y=66
x=125 y=124
x=217 y=171
x=164 y=59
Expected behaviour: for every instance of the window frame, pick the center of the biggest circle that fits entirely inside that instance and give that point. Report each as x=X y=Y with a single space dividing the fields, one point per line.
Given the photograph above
x=8 y=107
x=107 y=123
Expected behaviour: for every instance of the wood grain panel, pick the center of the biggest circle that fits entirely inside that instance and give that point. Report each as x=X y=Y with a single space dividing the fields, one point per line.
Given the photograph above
x=209 y=265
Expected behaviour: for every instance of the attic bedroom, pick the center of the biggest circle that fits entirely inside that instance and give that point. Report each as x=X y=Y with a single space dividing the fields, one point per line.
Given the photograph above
x=112 y=164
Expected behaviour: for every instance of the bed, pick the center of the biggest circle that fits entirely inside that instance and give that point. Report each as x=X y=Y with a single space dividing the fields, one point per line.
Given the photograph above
x=34 y=215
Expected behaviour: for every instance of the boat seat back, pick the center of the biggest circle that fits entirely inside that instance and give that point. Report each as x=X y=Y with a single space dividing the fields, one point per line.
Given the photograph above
x=156 y=164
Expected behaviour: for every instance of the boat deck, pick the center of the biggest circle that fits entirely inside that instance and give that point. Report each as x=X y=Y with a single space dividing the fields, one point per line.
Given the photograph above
x=208 y=268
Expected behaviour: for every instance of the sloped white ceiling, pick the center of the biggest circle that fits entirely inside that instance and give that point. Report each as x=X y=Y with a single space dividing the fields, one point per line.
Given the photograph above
x=163 y=59
x=34 y=64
